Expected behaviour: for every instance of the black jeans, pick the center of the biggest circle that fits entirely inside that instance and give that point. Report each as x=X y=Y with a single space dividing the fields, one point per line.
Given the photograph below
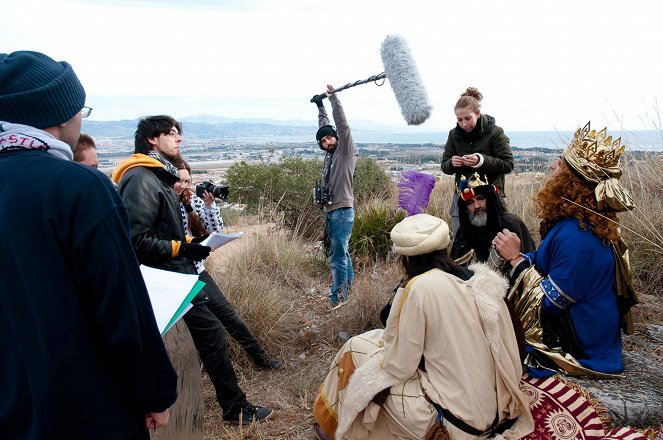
x=209 y=337
x=235 y=326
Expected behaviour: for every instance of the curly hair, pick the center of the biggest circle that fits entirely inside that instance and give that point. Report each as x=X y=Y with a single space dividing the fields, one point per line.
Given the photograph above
x=552 y=205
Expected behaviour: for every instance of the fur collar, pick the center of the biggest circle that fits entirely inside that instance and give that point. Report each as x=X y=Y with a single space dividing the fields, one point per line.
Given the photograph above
x=488 y=288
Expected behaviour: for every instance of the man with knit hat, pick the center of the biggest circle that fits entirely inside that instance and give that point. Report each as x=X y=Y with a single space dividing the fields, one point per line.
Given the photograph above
x=574 y=293
x=337 y=197
x=481 y=216
x=83 y=357
x=448 y=349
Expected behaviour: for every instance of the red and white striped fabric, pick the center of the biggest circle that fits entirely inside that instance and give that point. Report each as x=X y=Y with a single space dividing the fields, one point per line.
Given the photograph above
x=562 y=413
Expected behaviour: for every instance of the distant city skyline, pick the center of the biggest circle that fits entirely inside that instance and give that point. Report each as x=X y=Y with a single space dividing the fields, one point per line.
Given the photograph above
x=542 y=66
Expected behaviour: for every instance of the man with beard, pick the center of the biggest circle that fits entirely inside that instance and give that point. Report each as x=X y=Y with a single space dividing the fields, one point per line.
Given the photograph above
x=337 y=197
x=145 y=183
x=482 y=216
x=574 y=293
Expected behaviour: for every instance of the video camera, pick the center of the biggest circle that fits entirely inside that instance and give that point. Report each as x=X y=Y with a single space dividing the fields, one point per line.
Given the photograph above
x=218 y=191
x=321 y=195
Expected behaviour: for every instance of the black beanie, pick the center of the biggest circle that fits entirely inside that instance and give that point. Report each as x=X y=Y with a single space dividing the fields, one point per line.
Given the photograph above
x=38 y=91
x=325 y=130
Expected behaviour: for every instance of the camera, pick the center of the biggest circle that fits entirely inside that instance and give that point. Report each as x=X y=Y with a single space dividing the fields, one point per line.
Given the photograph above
x=321 y=195
x=218 y=191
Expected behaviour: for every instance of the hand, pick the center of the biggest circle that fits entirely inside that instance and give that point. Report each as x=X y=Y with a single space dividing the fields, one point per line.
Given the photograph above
x=199 y=239
x=470 y=160
x=457 y=161
x=330 y=90
x=156 y=420
x=194 y=251
x=317 y=99
x=507 y=243
x=208 y=198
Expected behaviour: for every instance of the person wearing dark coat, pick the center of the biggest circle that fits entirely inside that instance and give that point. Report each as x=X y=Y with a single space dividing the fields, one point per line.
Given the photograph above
x=145 y=183
x=476 y=144
x=82 y=356
x=482 y=216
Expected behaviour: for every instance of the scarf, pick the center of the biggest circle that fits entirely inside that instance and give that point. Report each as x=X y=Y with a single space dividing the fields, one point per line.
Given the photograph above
x=14 y=137
x=167 y=165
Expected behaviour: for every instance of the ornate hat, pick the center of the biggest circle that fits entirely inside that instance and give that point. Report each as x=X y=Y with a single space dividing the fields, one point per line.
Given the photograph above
x=466 y=187
x=595 y=158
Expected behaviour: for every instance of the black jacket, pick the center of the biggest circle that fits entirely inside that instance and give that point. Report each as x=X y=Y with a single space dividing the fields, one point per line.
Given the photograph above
x=154 y=211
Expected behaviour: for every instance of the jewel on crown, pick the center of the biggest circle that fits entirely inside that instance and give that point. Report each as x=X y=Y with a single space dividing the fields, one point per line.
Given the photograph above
x=597 y=147
x=465 y=185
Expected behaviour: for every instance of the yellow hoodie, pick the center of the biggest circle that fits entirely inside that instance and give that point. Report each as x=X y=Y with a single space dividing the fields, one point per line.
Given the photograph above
x=136 y=160
x=143 y=160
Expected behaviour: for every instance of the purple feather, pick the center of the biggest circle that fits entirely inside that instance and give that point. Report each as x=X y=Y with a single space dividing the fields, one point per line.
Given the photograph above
x=414 y=191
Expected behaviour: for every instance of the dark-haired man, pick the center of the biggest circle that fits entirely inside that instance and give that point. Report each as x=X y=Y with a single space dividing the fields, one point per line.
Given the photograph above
x=482 y=216
x=337 y=197
x=145 y=183
x=82 y=354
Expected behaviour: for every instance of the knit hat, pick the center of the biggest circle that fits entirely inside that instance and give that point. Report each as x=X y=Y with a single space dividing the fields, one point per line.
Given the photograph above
x=325 y=130
x=420 y=234
x=38 y=91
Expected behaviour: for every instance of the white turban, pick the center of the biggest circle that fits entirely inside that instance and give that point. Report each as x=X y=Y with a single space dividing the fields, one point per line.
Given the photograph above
x=420 y=234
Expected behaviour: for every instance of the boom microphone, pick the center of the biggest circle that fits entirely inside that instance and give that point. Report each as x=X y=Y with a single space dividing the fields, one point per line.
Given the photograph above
x=402 y=73
x=404 y=79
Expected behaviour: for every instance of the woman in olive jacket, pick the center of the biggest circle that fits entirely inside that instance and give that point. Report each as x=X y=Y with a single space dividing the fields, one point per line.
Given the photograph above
x=475 y=145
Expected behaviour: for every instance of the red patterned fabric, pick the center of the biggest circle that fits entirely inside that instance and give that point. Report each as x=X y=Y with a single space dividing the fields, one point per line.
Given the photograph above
x=561 y=413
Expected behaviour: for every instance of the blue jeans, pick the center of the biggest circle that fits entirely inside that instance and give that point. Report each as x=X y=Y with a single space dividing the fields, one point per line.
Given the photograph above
x=338 y=225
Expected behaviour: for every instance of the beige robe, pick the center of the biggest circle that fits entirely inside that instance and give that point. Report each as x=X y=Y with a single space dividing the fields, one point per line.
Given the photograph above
x=464 y=332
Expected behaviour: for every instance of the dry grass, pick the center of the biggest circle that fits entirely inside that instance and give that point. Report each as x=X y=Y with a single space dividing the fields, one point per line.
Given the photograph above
x=279 y=284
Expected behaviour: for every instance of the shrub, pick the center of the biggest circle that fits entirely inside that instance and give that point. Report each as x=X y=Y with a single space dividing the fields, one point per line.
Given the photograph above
x=283 y=192
x=374 y=219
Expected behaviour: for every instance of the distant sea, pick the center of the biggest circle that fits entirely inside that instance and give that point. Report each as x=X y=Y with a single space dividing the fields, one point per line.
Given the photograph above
x=636 y=140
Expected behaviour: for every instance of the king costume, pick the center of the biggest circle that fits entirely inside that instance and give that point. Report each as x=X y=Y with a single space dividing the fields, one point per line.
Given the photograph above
x=449 y=343
x=573 y=295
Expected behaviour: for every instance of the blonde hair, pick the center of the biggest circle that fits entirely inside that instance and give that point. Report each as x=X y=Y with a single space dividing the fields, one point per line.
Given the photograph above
x=471 y=99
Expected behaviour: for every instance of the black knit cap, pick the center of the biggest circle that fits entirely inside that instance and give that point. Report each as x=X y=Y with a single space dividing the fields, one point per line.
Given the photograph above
x=325 y=130
x=38 y=91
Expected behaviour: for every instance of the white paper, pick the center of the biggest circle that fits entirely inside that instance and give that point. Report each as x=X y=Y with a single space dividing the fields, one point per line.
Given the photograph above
x=167 y=291
x=216 y=240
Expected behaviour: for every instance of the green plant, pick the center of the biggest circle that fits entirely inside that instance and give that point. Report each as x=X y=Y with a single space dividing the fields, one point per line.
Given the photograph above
x=374 y=219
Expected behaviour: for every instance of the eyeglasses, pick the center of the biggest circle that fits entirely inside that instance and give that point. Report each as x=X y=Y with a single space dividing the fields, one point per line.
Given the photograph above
x=85 y=112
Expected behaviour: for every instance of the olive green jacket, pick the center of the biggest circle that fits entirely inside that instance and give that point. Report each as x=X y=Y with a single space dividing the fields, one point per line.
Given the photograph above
x=486 y=139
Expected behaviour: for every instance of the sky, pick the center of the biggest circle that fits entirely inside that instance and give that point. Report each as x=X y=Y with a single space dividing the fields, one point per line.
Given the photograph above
x=541 y=65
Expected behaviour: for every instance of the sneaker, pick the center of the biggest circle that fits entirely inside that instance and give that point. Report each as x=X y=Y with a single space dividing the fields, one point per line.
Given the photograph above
x=248 y=414
x=273 y=365
x=337 y=305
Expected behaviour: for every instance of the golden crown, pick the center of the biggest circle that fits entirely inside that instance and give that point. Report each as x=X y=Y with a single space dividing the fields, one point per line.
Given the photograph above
x=596 y=147
x=465 y=187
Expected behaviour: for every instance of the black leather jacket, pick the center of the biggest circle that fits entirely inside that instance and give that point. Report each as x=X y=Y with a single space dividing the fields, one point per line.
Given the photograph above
x=154 y=212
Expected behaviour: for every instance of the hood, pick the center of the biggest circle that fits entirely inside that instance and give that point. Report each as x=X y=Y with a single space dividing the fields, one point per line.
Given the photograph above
x=485 y=123
x=136 y=160
x=24 y=137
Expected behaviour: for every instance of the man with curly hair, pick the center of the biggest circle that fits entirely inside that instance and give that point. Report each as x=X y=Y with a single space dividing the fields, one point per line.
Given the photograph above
x=574 y=293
